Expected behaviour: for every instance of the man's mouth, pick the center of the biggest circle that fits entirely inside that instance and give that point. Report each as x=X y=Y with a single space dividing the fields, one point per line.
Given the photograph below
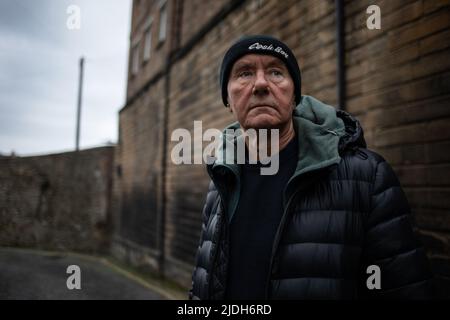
x=267 y=105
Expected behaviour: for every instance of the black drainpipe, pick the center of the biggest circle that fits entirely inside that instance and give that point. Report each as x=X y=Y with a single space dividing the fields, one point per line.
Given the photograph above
x=161 y=217
x=340 y=43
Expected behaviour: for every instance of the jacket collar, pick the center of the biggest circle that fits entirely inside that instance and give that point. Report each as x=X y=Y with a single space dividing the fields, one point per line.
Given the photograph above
x=322 y=134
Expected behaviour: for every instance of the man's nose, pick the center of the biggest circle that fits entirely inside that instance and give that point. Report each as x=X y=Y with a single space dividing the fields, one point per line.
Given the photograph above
x=261 y=85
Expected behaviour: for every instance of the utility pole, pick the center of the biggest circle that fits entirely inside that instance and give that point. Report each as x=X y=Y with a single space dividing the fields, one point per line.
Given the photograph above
x=80 y=93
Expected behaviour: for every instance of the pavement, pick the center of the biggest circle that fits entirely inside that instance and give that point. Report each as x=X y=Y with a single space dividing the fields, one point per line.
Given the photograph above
x=39 y=275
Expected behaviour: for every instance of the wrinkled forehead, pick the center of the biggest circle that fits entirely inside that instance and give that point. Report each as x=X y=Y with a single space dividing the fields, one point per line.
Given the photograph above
x=257 y=59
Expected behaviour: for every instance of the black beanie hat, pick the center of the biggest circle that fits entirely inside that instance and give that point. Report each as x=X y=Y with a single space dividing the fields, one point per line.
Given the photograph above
x=260 y=44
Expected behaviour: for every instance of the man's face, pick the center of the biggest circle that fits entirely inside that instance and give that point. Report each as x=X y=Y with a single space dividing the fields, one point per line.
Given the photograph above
x=261 y=92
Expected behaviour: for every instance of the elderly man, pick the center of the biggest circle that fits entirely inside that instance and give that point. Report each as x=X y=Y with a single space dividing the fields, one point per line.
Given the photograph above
x=332 y=223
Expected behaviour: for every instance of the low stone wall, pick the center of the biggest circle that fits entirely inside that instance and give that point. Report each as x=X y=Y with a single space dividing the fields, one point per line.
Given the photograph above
x=57 y=201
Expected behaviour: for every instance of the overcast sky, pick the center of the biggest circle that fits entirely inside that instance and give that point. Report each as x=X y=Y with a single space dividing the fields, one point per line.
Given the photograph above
x=39 y=73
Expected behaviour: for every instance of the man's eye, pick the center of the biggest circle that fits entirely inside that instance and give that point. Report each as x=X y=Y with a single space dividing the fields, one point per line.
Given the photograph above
x=245 y=74
x=276 y=72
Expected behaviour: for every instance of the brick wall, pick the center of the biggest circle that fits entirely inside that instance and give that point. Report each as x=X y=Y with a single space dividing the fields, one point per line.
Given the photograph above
x=196 y=14
x=57 y=201
x=397 y=86
x=142 y=13
x=138 y=170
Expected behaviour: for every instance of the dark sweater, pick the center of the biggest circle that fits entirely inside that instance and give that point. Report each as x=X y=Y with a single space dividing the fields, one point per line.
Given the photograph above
x=254 y=225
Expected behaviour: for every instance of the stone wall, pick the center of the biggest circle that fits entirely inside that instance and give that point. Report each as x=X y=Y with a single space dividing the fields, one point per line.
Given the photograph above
x=57 y=201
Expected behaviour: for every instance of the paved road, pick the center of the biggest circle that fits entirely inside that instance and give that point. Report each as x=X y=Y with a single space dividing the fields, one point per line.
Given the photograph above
x=37 y=275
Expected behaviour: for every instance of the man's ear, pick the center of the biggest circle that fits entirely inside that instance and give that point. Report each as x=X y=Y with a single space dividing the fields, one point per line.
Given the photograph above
x=229 y=105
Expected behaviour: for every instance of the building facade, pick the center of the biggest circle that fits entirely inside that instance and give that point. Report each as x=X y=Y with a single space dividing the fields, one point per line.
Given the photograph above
x=395 y=81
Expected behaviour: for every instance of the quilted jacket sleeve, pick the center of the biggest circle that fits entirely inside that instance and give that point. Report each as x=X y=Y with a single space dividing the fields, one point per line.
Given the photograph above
x=199 y=277
x=391 y=243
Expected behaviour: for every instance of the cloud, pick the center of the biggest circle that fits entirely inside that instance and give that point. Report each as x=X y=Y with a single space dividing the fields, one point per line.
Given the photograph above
x=39 y=62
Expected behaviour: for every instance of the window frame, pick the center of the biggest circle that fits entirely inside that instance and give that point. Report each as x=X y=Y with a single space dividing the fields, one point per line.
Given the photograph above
x=148 y=38
x=162 y=9
x=135 y=57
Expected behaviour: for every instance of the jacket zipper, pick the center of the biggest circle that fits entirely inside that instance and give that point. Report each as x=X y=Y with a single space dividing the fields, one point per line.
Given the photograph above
x=277 y=240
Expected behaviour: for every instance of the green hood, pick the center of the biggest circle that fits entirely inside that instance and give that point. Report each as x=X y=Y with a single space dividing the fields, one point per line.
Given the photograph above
x=318 y=130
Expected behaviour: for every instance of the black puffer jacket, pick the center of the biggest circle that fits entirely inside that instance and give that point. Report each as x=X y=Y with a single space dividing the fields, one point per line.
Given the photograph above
x=338 y=220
